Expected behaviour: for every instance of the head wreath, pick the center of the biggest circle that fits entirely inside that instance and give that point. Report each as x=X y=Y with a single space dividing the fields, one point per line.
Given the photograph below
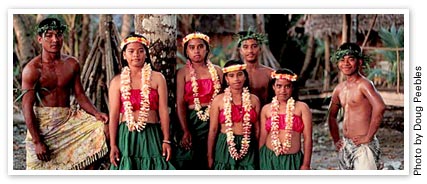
x=289 y=77
x=234 y=68
x=134 y=39
x=194 y=36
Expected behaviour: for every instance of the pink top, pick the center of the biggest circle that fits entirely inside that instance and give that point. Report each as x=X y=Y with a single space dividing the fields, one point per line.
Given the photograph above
x=135 y=100
x=237 y=115
x=297 y=124
x=206 y=90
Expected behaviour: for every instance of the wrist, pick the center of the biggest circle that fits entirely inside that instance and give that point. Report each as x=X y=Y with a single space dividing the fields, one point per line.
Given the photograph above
x=166 y=141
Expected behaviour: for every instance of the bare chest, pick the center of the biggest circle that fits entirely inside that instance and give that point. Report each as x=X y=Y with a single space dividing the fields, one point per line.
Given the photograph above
x=56 y=75
x=351 y=96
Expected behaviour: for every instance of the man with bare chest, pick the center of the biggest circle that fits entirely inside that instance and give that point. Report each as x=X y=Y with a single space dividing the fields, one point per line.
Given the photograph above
x=363 y=112
x=259 y=75
x=57 y=136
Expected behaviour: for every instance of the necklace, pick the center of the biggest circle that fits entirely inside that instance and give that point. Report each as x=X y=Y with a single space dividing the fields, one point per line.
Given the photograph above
x=203 y=115
x=145 y=102
x=281 y=147
x=246 y=101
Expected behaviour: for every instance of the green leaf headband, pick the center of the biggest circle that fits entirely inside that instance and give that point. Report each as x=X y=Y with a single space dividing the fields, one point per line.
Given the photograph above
x=259 y=37
x=339 y=54
x=52 y=26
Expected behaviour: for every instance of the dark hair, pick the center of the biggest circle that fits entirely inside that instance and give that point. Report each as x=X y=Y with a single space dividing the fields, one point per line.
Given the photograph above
x=350 y=46
x=50 y=24
x=246 y=35
x=147 y=52
x=231 y=63
x=208 y=49
x=272 y=82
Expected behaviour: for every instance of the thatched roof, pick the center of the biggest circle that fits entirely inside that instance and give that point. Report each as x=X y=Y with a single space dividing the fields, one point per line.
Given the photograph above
x=320 y=25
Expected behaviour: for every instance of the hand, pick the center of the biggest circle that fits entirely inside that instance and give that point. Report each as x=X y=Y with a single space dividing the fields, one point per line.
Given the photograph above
x=42 y=151
x=114 y=155
x=339 y=144
x=305 y=167
x=358 y=140
x=100 y=116
x=167 y=151
x=186 y=140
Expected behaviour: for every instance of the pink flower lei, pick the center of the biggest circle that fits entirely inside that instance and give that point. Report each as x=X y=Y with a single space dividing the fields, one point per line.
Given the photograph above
x=281 y=147
x=246 y=101
x=145 y=102
x=203 y=115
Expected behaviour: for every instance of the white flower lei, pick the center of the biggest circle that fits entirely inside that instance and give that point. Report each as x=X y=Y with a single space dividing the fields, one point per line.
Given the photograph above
x=246 y=101
x=145 y=102
x=203 y=115
x=279 y=147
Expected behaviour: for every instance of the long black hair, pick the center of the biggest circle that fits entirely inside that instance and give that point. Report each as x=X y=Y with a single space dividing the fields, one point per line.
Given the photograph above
x=272 y=82
x=231 y=63
x=208 y=50
x=147 y=52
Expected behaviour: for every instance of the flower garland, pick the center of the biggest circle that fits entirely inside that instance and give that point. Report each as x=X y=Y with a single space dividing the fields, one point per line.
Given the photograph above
x=145 y=102
x=246 y=101
x=279 y=147
x=203 y=115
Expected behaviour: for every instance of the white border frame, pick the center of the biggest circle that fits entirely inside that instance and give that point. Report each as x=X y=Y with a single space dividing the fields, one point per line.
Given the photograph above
x=407 y=75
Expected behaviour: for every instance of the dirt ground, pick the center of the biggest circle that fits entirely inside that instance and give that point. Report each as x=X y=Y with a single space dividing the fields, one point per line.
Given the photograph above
x=324 y=156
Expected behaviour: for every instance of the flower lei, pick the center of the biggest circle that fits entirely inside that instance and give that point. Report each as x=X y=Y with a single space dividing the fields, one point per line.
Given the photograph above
x=145 y=102
x=279 y=147
x=203 y=115
x=246 y=101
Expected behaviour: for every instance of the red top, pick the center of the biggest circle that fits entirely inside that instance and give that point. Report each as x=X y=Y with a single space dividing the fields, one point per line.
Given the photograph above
x=135 y=100
x=237 y=115
x=206 y=90
x=297 y=124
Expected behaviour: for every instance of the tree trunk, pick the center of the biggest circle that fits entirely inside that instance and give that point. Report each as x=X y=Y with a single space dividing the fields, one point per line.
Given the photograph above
x=346 y=24
x=84 y=39
x=126 y=25
x=160 y=30
x=307 y=60
x=24 y=38
x=354 y=27
x=327 y=72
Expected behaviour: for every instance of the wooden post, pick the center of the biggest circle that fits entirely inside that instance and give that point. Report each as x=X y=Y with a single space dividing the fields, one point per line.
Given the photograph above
x=327 y=71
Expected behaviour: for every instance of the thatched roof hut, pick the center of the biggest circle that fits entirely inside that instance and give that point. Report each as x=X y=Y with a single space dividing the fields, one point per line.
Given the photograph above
x=320 y=25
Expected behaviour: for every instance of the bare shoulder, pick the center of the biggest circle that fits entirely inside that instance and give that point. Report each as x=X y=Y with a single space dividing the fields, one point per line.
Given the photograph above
x=157 y=75
x=301 y=105
x=181 y=71
x=116 y=79
x=366 y=83
x=218 y=98
x=32 y=69
x=266 y=108
x=266 y=69
x=71 y=61
x=255 y=99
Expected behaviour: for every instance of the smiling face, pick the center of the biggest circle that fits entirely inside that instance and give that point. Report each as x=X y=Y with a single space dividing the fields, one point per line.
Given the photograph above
x=135 y=54
x=51 y=40
x=349 y=65
x=235 y=79
x=249 y=50
x=196 y=50
x=283 y=89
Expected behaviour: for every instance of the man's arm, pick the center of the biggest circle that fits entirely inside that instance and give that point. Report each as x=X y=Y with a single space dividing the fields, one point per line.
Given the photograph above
x=81 y=97
x=378 y=108
x=332 y=118
x=30 y=76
